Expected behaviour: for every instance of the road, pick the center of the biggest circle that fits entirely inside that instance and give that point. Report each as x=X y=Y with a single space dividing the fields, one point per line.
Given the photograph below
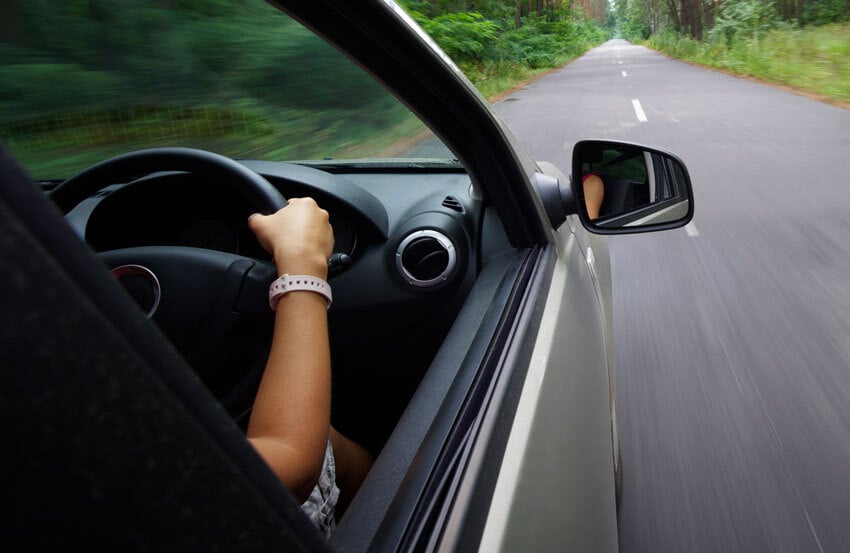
x=732 y=335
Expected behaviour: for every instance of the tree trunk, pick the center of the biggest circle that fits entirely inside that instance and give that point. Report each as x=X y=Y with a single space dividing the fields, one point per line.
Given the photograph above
x=782 y=8
x=674 y=15
x=518 y=14
x=692 y=18
x=684 y=16
x=708 y=13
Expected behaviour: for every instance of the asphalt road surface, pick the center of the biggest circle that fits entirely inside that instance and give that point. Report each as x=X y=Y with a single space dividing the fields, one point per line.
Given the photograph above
x=733 y=334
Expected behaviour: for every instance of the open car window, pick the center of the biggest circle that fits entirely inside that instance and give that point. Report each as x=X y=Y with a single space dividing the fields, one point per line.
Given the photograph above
x=84 y=81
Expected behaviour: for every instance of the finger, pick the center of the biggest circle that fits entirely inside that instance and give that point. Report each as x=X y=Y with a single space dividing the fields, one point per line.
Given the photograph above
x=253 y=219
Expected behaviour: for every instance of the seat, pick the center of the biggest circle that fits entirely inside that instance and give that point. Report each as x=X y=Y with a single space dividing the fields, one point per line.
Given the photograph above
x=111 y=441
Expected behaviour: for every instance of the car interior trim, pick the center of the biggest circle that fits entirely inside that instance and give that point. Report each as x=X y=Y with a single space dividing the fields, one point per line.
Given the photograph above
x=455 y=425
x=381 y=510
x=477 y=480
x=441 y=249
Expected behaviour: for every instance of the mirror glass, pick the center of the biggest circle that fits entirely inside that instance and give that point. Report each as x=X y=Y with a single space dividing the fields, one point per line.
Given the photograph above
x=630 y=187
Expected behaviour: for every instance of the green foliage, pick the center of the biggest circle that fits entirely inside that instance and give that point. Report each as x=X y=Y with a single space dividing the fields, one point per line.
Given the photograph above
x=27 y=89
x=538 y=42
x=632 y=20
x=744 y=19
x=494 y=10
x=461 y=35
x=814 y=59
x=492 y=51
x=821 y=12
x=81 y=80
x=753 y=37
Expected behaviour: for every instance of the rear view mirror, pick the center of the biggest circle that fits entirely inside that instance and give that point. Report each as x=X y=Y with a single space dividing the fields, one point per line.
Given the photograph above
x=623 y=188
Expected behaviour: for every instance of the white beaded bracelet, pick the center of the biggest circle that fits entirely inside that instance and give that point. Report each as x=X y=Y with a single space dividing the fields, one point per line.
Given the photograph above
x=292 y=283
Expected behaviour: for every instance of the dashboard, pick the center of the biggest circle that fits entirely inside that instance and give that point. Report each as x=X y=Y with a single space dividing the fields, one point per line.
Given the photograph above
x=414 y=238
x=179 y=209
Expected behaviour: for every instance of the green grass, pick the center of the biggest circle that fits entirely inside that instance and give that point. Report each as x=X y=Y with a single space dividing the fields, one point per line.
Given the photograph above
x=494 y=78
x=815 y=60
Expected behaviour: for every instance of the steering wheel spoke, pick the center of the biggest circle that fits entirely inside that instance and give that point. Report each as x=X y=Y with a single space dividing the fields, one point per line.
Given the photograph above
x=203 y=294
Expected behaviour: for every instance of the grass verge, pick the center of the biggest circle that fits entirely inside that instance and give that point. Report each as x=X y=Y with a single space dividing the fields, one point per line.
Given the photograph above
x=814 y=61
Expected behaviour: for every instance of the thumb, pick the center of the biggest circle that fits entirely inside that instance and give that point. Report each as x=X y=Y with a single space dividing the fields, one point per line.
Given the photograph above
x=252 y=219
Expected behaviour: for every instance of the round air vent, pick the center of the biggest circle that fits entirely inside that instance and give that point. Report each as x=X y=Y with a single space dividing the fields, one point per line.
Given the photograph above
x=426 y=258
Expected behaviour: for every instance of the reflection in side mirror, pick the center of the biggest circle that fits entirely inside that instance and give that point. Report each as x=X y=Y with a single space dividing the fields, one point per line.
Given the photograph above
x=623 y=188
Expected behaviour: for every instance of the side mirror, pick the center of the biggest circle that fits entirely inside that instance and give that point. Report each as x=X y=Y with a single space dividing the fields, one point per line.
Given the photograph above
x=623 y=188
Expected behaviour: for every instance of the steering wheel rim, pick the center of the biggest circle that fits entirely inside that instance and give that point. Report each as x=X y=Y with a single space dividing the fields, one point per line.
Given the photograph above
x=257 y=190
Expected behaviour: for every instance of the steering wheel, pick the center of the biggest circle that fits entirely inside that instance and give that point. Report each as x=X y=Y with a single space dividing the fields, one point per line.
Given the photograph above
x=201 y=299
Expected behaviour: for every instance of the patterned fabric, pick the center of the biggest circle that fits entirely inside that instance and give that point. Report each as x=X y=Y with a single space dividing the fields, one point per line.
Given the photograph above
x=322 y=501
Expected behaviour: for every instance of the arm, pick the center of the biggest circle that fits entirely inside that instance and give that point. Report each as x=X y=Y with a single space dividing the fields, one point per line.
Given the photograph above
x=290 y=421
x=594 y=192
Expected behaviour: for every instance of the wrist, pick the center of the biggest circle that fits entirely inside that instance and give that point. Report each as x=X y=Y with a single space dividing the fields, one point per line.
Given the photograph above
x=298 y=283
x=294 y=264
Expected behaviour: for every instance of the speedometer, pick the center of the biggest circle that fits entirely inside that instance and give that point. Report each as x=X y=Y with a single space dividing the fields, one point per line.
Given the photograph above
x=211 y=234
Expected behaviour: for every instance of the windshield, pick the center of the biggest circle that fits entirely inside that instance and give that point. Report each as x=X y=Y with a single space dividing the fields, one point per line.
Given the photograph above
x=83 y=80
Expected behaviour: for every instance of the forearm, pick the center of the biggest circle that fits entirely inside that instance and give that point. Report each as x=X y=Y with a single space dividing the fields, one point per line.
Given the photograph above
x=290 y=422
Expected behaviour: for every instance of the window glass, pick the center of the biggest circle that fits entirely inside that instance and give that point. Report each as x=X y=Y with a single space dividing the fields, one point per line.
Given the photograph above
x=83 y=80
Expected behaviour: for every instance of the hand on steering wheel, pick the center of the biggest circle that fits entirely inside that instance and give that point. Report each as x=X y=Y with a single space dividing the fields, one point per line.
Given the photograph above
x=208 y=297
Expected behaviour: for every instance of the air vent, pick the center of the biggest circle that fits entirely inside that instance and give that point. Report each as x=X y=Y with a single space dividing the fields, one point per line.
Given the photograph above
x=426 y=258
x=453 y=203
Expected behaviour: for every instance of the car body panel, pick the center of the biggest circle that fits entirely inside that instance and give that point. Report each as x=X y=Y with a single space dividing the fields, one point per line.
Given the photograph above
x=556 y=487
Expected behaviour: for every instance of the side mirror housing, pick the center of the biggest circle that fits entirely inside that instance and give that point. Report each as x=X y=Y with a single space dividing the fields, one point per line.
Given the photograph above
x=624 y=188
x=555 y=193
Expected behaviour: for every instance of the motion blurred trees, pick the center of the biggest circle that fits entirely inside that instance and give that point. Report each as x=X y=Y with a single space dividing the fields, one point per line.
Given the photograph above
x=84 y=79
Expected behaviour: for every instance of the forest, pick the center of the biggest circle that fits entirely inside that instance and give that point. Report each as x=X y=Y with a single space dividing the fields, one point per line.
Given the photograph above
x=501 y=43
x=699 y=19
x=804 y=44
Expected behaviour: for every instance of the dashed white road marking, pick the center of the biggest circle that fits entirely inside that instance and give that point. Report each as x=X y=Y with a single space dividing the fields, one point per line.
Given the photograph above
x=691 y=230
x=625 y=74
x=639 y=111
